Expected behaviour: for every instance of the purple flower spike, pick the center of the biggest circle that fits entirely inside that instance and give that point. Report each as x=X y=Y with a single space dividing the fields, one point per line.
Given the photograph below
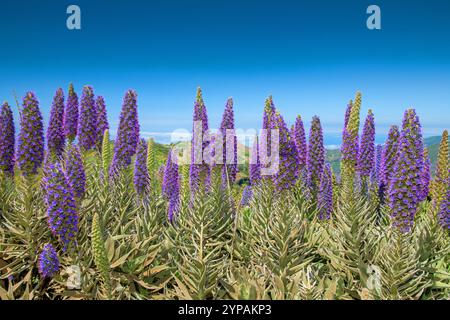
x=7 y=140
x=141 y=177
x=61 y=209
x=87 y=125
x=75 y=172
x=199 y=171
x=30 y=148
x=288 y=170
x=171 y=185
x=48 y=264
x=325 y=194
x=71 y=115
x=298 y=134
x=265 y=139
x=406 y=183
x=255 y=166
x=55 y=132
x=375 y=174
x=247 y=195
x=366 y=156
x=389 y=156
x=230 y=168
x=316 y=153
x=348 y=111
x=102 y=119
x=127 y=134
x=426 y=176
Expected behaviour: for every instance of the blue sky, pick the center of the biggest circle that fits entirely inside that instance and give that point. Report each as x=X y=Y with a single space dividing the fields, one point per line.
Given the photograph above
x=312 y=56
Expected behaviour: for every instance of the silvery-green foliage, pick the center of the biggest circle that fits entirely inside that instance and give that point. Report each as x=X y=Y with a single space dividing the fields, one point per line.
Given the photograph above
x=198 y=241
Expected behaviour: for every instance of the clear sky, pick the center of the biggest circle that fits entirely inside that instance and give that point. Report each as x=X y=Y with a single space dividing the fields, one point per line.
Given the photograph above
x=312 y=56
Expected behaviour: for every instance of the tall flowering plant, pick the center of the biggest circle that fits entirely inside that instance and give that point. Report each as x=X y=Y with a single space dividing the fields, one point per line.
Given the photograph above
x=71 y=115
x=127 y=135
x=199 y=172
x=61 y=207
x=7 y=140
x=55 y=131
x=87 y=124
x=406 y=184
x=30 y=148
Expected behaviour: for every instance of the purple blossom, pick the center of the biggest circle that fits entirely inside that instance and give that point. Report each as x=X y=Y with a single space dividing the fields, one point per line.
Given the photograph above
x=255 y=166
x=127 y=135
x=61 y=208
x=141 y=177
x=48 y=264
x=87 y=125
x=7 y=140
x=316 y=153
x=30 y=148
x=230 y=168
x=389 y=157
x=425 y=176
x=75 y=172
x=375 y=174
x=406 y=183
x=102 y=119
x=348 y=111
x=71 y=115
x=265 y=139
x=247 y=195
x=55 y=131
x=298 y=134
x=288 y=169
x=325 y=194
x=199 y=171
x=366 y=155
x=171 y=185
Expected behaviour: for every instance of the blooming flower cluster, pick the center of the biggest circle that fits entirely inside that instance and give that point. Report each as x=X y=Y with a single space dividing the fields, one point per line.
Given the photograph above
x=389 y=157
x=316 y=153
x=55 y=131
x=199 y=174
x=325 y=194
x=171 y=185
x=48 y=264
x=30 y=148
x=7 y=139
x=230 y=168
x=366 y=155
x=71 y=115
x=75 y=172
x=127 y=135
x=247 y=195
x=141 y=177
x=265 y=139
x=288 y=170
x=87 y=122
x=61 y=208
x=255 y=166
x=426 y=176
x=406 y=184
x=298 y=134
x=350 y=141
x=102 y=119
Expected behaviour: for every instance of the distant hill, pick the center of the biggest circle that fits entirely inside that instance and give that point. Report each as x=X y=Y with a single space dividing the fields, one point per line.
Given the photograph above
x=332 y=156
